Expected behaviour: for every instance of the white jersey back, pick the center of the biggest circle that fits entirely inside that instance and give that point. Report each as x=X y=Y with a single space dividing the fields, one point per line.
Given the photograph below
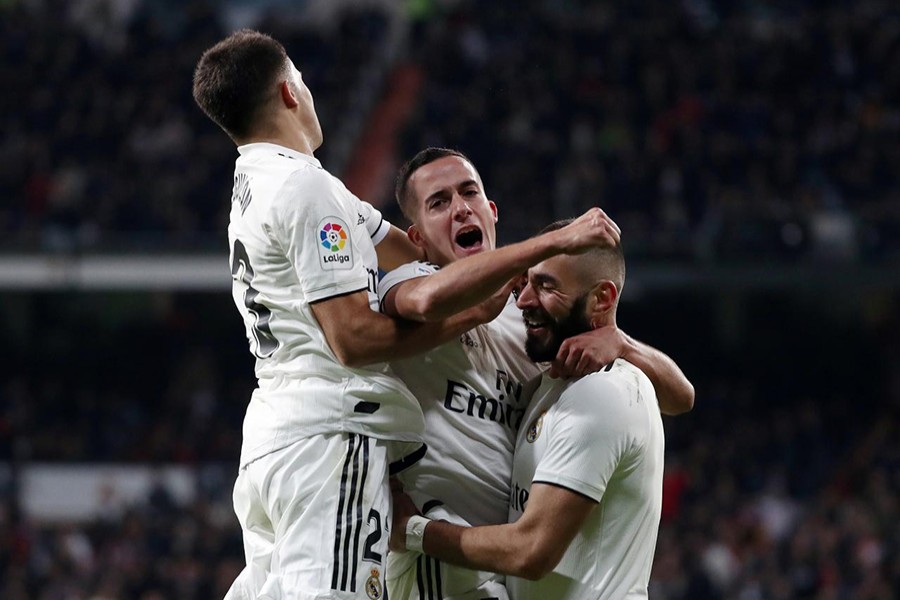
x=471 y=393
x=600 y=436
x=297 y=236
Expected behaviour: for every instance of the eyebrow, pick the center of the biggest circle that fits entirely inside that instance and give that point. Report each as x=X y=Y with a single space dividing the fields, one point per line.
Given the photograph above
x=444 y=190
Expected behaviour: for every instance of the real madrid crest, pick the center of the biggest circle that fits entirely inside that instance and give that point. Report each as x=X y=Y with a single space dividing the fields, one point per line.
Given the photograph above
x=373 y=585
x=534 y=430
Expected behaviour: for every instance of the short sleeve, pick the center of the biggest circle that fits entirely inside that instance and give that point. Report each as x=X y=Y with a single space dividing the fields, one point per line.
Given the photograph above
x=403 y=273
x=589 y=435
x=314 y=223
x=376 y=224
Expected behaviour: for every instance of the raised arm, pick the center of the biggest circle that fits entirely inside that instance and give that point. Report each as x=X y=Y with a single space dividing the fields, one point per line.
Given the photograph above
x=589 y=352
x=474 y=278
x=529 y=548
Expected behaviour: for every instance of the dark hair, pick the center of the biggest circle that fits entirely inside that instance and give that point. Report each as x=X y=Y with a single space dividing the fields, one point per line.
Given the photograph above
x=235 y=78
x=426 y=156
x=604 y=262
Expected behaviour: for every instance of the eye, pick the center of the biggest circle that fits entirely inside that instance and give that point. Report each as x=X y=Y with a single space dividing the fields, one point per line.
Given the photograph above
x=437 y=202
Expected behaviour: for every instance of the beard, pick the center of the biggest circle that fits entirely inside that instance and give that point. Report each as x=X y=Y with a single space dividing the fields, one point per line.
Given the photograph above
x=559 y=330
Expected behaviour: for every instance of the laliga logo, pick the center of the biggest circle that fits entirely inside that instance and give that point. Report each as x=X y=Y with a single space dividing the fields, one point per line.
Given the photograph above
x=333 y=237
x=335 y=244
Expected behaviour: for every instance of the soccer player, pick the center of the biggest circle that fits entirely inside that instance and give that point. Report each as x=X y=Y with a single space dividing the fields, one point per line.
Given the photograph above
x=328 y=421
x=471 y=389
x=587 y=476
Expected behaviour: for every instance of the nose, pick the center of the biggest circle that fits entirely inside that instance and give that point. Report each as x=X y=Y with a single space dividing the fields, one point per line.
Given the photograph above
x=527 y=298
x=461 y=208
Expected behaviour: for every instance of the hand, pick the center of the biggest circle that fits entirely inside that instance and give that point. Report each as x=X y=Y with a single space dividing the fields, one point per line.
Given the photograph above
x=591 y=230
x=404 y=508
x=589 y=352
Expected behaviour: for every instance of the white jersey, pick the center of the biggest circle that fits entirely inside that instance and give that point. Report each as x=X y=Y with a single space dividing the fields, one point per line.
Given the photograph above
x=600 y=436
x=298 y=236
x=470 y=390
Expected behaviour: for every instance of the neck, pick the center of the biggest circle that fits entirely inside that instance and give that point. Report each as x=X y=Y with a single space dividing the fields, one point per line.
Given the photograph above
x=284 y=134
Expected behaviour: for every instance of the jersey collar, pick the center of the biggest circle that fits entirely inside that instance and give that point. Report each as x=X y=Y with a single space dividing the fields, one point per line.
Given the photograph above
x=259 y=148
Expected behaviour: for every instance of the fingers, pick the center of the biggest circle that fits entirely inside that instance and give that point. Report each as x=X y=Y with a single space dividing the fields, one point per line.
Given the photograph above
x=597 y=228
x=567 y=360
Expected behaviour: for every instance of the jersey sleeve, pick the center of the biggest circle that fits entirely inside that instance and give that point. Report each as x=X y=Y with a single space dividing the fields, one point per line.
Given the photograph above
x=313 y=222
x=589 y=437
x=403 y=273
x=376 y=224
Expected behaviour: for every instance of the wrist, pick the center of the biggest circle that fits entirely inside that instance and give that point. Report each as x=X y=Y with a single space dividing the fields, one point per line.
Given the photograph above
x=415 y=532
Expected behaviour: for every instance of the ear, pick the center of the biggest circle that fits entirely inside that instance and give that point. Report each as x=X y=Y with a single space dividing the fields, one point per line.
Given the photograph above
x=287 y=94
x=493 y=209
x=602 y=303
x=415 y=236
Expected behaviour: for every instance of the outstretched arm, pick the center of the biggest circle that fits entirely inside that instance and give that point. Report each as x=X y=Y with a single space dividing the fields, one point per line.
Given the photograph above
x=589 y=352
x=472 y=279
x=529 y=548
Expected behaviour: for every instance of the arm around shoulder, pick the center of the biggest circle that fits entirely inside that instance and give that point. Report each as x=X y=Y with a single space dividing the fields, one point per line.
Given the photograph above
x=673 y=389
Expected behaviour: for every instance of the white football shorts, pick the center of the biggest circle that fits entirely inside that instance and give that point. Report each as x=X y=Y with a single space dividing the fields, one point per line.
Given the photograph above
x=315 y=518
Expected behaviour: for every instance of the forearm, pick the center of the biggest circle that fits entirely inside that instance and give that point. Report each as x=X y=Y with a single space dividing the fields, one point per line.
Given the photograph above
x=469 y=281
x=673 y=390
x=494 y=548
x=384 y=338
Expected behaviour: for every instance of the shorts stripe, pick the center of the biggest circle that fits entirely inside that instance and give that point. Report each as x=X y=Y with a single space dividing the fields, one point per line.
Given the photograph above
x=428 y=578
x=348 y=522
x=364 y=442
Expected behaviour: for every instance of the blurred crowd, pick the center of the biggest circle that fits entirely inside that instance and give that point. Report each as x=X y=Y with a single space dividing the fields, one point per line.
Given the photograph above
x=708 y=129
x=103 y=146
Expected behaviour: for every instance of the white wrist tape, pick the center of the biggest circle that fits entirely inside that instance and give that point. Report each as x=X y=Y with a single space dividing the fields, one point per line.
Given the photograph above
x=415 y=532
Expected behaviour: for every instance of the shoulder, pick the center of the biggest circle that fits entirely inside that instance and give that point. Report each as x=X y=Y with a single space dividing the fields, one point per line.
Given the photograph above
x=412 y=270
x=614 y=394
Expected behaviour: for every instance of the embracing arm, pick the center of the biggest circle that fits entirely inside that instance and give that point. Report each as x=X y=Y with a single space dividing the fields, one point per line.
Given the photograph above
x=360 y=336
x=470 y=280
x=591 y=351
x=673 y=390
x=529 y=548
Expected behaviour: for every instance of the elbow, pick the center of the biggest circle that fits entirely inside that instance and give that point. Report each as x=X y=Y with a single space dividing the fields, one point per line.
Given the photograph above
x=350 y=355
x=687 y=403
x=678 y=404
x=425 y=308
x=535 y=563
x=351 y=360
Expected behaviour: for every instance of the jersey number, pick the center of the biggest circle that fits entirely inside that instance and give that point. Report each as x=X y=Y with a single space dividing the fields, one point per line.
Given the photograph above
x=241 y=271
x=373 y=538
